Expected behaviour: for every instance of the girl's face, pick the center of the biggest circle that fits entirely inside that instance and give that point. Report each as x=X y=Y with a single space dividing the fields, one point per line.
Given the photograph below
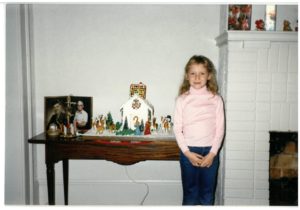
x=198 y=76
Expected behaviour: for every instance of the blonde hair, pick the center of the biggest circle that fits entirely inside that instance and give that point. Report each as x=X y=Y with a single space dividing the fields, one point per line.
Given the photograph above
x=211 y=85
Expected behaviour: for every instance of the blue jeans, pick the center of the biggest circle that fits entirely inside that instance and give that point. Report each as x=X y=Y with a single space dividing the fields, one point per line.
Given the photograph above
x=198 y=183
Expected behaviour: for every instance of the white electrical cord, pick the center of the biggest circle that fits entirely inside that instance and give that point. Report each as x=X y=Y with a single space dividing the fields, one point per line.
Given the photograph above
x=143 y=183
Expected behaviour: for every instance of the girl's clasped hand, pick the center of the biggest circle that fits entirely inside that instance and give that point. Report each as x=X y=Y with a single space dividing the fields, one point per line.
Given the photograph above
x=199 y=160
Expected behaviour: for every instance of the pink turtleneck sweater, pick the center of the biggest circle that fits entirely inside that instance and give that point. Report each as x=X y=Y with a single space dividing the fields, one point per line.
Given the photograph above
x=199 y=120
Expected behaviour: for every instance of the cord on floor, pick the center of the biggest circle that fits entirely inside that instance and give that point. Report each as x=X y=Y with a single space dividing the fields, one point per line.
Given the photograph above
x=143 y=183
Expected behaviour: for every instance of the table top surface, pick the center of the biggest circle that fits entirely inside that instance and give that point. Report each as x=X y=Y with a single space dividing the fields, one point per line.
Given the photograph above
x=43 y=138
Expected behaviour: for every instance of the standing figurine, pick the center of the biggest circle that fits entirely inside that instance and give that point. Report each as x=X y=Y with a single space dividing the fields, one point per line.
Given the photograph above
x=147 y=128
x=137 y=130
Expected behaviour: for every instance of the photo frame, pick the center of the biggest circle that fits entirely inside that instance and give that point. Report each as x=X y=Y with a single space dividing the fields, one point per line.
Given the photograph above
x=239 y=16
x=57 y=109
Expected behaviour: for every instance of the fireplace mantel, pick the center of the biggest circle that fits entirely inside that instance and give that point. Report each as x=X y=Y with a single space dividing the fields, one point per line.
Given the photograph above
x=269 y=36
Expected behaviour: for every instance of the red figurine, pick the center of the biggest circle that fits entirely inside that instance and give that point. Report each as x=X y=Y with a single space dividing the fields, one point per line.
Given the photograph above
x=147 y=128
x=260 y=25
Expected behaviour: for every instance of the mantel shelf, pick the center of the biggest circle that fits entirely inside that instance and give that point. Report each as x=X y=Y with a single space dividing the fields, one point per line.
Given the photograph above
x=272 y=36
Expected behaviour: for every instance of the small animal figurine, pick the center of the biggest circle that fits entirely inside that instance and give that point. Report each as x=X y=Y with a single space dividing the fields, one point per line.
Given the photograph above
x=100 y=124
x=165 y=124
x=287 y=25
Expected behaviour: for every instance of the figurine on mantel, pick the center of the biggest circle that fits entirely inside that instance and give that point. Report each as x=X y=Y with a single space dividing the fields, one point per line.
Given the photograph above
x=260 y=25
x=287 y=26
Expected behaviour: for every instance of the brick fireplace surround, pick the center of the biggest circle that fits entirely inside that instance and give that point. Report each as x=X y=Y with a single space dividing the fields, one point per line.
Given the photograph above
x=257 y=75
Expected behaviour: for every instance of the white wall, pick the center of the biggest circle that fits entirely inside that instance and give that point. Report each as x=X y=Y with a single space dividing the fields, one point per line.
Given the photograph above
x=98 y=51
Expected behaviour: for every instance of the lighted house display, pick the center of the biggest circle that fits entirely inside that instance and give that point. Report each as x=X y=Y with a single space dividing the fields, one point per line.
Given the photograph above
x=137 y=108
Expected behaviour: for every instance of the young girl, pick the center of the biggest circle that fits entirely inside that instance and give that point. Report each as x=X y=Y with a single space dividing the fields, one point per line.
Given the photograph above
x=199 y=131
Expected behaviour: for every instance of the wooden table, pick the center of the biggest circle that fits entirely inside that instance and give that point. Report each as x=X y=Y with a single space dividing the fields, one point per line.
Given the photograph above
x=119 y=149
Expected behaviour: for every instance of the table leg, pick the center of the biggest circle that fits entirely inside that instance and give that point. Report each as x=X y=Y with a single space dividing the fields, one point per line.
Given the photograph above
x=66 y=180
x=51 y=183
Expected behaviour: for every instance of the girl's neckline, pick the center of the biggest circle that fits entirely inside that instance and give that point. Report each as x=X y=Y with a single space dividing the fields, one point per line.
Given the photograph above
x=200 y=91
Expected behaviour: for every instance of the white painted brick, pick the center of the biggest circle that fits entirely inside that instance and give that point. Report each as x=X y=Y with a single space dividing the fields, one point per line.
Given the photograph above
x=240 y=116
x=239 y=174
x=284 y=117
x=275 y=116
x=240 y=126
x=261 y=202
x=233 y=46
x=262 y=136
x=263 y=115
x=246 y=202
x=242 y=66
x=280 y=77
x=279 y=87
x=292 y=92
x=239 y=183
x=261 y=194
x=293 y=58
x=273 y=58
x=262 y=63
x=292 y=78
x=243 y=56
x=261 y=174
x=240 y=135
x=263 y=96
x=293 y=124
x=283 y=55
x=256 y=44
x=238 y=202
x=239 y=155
x=279 y=96
x=261 y=165
x=241 y=145
x=261 y=184
x=262 y=155
x=248 y=77
x=292 y=87
x=264 y=77
x=238 y=86
x=292 y=97
x=238 y=193
x=240 y=106
x=266 y=87
x=239 y=164
x=237 y=96
x=262 y=106
x=262 y=126
x=262 y=146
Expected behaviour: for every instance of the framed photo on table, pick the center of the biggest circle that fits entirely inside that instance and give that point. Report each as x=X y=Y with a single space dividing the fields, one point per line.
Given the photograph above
x=65 y=110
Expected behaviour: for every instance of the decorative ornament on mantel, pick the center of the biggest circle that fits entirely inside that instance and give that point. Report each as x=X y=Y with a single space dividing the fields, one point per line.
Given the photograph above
x=287 y=26
x=260 y=25
x=239 y=17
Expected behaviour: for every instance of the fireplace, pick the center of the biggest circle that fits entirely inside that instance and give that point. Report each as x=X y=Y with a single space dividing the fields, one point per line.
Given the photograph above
x=283 y=169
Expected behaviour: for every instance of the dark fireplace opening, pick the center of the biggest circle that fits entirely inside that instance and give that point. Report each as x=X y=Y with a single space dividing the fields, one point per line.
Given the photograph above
x=283 y=169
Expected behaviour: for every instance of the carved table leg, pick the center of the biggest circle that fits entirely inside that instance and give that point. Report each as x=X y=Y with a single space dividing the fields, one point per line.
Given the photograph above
x=66 y=180
x=51 y=183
